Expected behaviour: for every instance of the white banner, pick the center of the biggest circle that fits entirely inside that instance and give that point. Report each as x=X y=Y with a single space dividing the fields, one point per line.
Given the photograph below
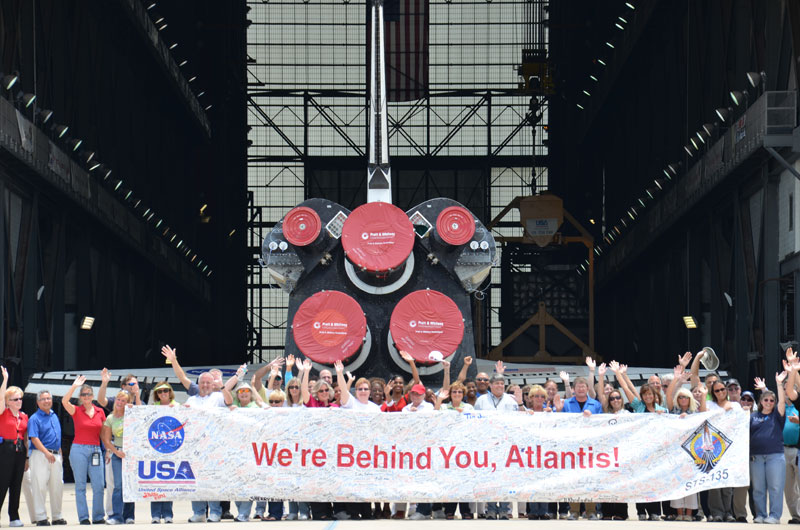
x=337 y=455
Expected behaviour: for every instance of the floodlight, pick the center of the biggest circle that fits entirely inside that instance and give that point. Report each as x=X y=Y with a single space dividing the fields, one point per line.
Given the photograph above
x=26 y=99
x=689 y=322
x=756 y=78
x=709 y=128
x=87 y=323
x=738 y=97
x=74 y=143
x=10 y=80
x=60 y=130
x=45 y=115
x=724 y=114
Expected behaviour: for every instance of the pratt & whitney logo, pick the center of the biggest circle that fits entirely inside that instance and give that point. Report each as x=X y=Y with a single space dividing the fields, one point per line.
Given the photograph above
x=706 y=445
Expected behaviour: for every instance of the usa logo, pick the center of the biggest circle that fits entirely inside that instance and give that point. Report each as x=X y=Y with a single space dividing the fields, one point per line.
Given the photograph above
x=166 y=434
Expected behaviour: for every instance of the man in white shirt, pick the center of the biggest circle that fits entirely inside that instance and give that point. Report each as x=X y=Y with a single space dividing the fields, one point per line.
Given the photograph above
x=418 y=403
x=206 y=398
x=497 y=399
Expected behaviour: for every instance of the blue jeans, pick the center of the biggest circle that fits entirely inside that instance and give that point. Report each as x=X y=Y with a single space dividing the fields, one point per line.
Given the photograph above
x=161 y=510
x=261 y=507
x=767 y=476
x=424 y=508
x=243 y=508
x=275 y=509
x=122 y=510
x=199 y=508
x=537 y=508
x=80 y=459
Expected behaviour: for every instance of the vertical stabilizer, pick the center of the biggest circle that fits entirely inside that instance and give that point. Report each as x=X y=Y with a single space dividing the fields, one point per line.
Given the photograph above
x=379 y=173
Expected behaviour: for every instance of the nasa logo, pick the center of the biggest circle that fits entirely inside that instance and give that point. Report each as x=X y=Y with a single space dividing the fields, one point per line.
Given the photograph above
x=166 y=434
x=165 y=471
x=412 y=324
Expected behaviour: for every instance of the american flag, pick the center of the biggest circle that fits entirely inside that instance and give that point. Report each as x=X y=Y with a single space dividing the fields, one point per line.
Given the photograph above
x=406 y=39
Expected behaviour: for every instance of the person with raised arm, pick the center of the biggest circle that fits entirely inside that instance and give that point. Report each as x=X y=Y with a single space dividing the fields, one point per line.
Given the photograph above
x=111 y=434
x=273 y=369
x=85 y=456
x=163 y=396
x=462 y=374
x=171 y=356
x=767 y=463
x=397 y=397
x=591 y=364
x=129 y=383
x=13 y=447
x=695 y=374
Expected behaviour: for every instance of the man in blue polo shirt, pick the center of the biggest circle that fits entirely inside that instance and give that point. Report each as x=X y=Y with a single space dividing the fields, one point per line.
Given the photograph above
x=46 y=466
x=581 y=402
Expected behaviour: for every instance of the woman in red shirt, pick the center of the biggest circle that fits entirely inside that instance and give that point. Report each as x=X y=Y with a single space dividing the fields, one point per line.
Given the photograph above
x=84 y=455
x=13 y=448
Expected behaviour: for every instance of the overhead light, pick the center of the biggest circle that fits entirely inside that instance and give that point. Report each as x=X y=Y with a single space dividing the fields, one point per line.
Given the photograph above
x=147 y=211
x=659 y=183
x=671 y=170
x=630 y=6
x=60 y=130
x=209 y=273
x=579 y=106
x=208 y=107
x=708 y=128
x=26 y=99
x=619 y=26
x=172 y=238
x=119 y=183
x=192 y=78
x=201 y=93
x=738 y=96
x=694 y=143
x=105 y=171
x=173 y=46
x=87 y=323
x=151 y=6
x=94 y=165
x=128 y=196
x=728 y=298
x=601 y=62
x=702 y=135
x=159 y=21
x=688 y=149
x=622 y=20
x=45 y=115
x=183 y=62
x=203 y=209
x=88 y=156
x=649 y=193
x=10 y=80
x=591 y=221
x=593 y=78
x=162 y=27
x=689 y=322
x=230 y=234
x=158 y=223
x=609 y=45
x=756 y=78
x=724 y=114
x=587 y=93
x=74 y=143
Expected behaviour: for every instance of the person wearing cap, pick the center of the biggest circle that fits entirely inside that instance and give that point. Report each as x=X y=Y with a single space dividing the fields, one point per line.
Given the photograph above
x=739 y=493
x=417 y=403
x=45 y=458
x=163 y=395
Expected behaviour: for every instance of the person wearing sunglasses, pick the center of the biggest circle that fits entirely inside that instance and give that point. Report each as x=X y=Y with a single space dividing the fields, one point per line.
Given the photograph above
x=163 y=395
x=85 y=456
x=111 y=434
x=720 y=500
x=13 y=447
x=767 y=463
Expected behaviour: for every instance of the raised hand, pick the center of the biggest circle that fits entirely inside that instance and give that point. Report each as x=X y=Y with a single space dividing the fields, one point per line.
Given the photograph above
x=289 y=361
x=791 y=356
x=241 y=370
x=678 y=371
x=169 y=353
x=623 y=368
x=601 y=370
x=306 y=365
x=760 y=384
x=443 y=394
x=406 y=357
x=105 y=375
x=564 y=377
x=338 y=366
x=789 y=367
x=590 y=363
x=446 y=365
x=518 y=395
x=468 y=360
x=350 y=379
x=499 y=367
x=5 y=374
x=780 y=377
x=80 y=380
x=685 y=359
x=614 y=366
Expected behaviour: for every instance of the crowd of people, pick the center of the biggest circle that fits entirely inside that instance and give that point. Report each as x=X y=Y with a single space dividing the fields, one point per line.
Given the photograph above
x=31 y=447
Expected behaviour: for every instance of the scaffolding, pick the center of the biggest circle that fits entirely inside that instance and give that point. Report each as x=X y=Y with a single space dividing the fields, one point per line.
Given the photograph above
x=480 y=136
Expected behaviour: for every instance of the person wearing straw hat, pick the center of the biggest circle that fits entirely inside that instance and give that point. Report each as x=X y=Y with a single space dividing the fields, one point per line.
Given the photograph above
x=163 y=395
